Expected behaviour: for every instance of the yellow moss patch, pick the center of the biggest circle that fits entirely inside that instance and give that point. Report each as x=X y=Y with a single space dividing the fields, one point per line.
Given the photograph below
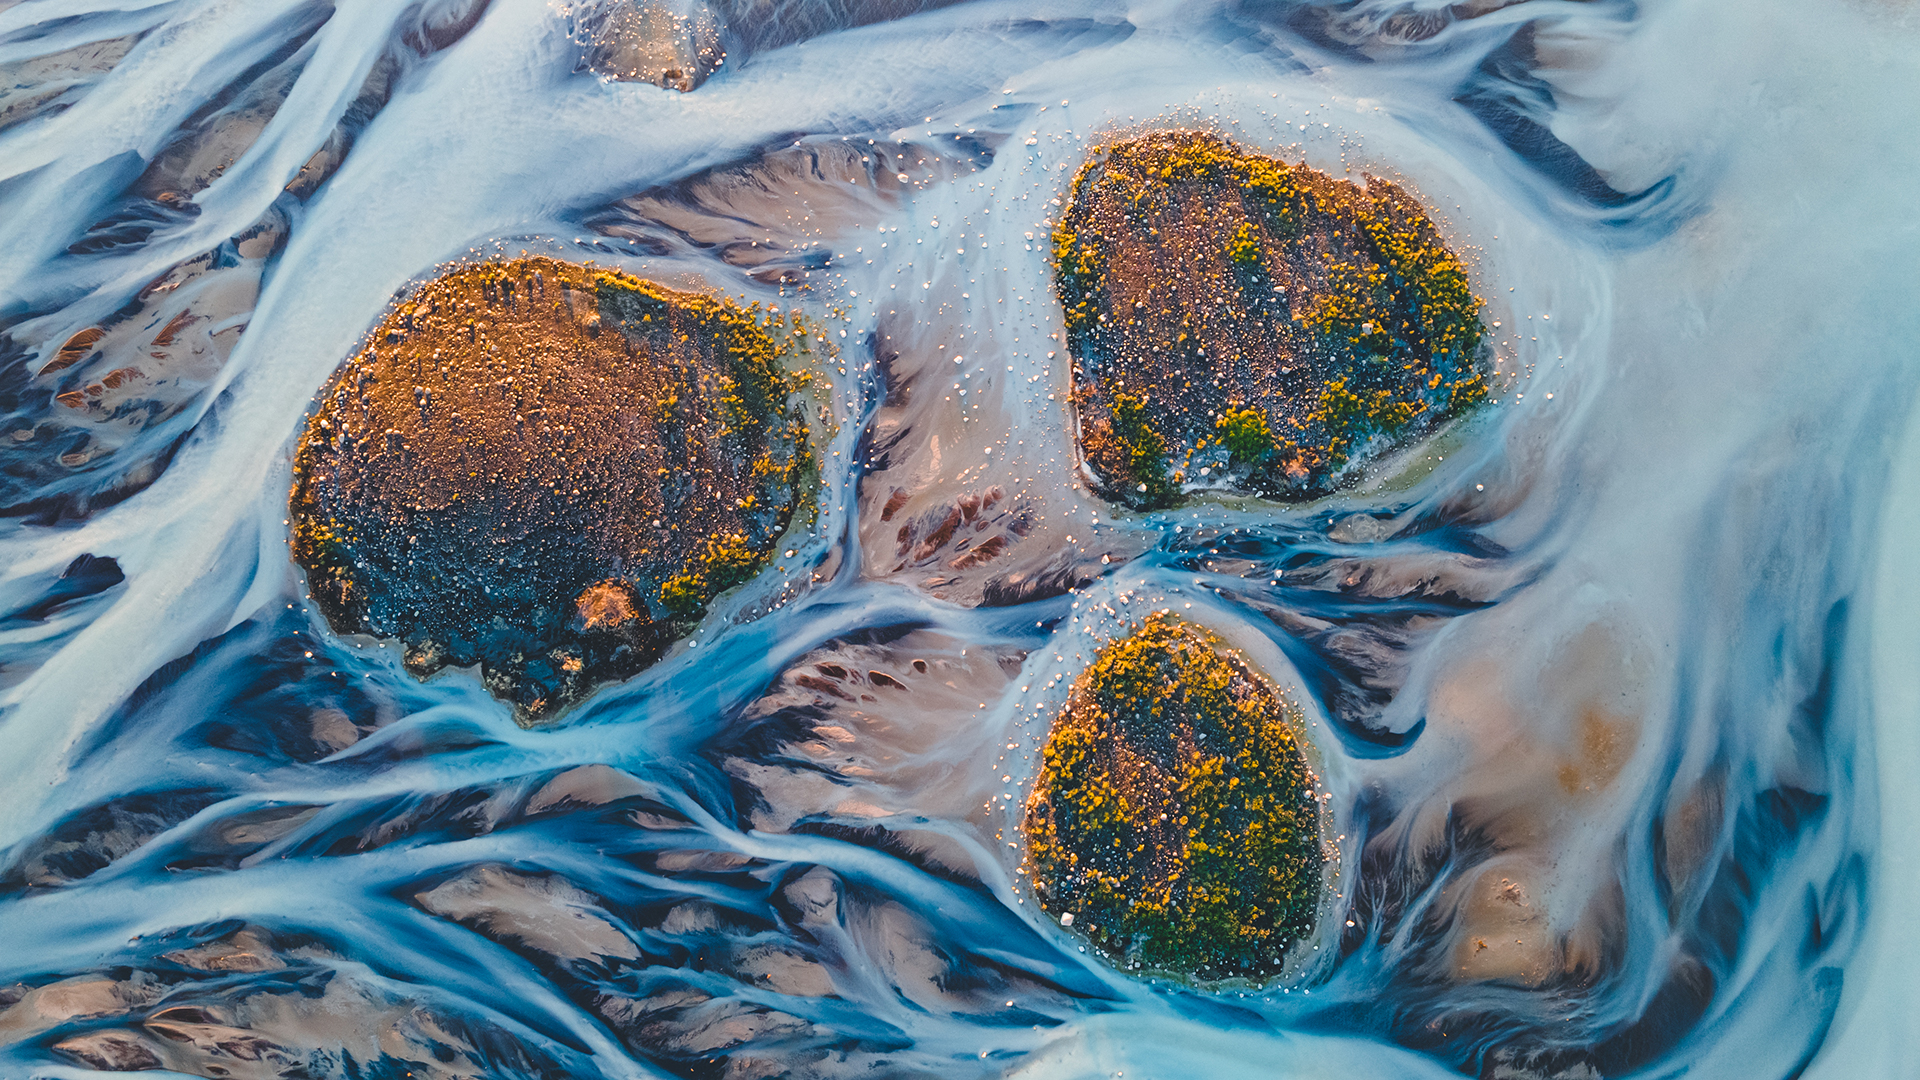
x=1172 y=817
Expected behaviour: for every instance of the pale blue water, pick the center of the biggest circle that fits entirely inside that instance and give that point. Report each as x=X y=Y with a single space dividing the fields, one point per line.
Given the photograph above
x=1612 y=690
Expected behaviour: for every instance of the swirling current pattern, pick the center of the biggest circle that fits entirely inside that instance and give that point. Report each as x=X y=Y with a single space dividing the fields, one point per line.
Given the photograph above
x=1609 y=687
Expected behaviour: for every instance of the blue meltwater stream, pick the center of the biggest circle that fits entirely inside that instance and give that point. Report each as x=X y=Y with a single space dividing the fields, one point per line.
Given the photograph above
x=1611 y=688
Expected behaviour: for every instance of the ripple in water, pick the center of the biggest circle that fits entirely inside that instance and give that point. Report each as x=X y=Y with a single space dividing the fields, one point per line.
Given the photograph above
x=1477 y=525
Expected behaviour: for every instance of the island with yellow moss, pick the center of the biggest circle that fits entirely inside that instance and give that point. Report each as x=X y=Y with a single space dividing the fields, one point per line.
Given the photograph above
x=550 y=471
x=1173 y=821
x=1241 y=323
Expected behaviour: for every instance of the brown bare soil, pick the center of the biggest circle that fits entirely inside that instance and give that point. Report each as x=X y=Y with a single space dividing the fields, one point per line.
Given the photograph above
x=548 y=471
x=1262 y=321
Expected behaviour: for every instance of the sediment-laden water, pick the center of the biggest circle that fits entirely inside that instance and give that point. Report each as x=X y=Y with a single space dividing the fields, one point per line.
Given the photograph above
x=1604 y=687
